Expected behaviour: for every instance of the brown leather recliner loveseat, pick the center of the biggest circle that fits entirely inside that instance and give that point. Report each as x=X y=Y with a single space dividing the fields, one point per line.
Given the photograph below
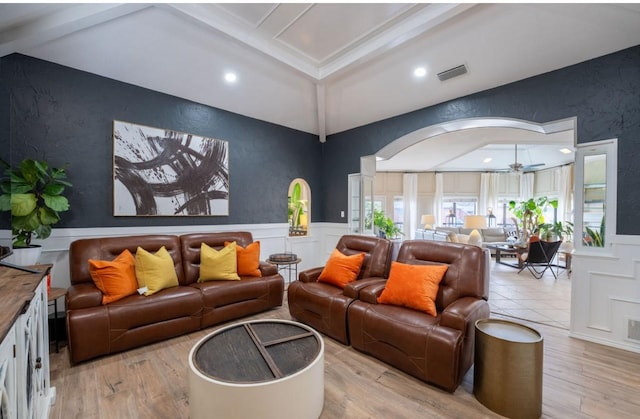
x=95 y=329
x=440 y=349
x=324 y=306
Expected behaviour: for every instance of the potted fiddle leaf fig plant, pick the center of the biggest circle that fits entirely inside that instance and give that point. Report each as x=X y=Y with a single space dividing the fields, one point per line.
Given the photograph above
x=33 y=194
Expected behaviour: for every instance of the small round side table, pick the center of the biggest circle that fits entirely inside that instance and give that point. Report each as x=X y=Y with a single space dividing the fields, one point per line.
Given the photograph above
x=508 y=368
x=52 y=299
x=288 y=265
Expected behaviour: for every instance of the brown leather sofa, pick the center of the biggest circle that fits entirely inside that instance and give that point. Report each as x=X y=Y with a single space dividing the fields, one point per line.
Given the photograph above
x=324 y=306
x=440 y=349
x=95 y=329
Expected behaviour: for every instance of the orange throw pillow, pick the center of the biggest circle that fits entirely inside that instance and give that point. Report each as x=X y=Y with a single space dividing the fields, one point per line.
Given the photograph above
x=341 y=269
x=413 y=286
x=248 y=259
x=117 y=278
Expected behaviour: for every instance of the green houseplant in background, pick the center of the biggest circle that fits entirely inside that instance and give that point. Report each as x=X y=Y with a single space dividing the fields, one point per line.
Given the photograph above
x=594 y=238
x=385 y=225
x=556 y=231
x=529 y=214
x=33 y=193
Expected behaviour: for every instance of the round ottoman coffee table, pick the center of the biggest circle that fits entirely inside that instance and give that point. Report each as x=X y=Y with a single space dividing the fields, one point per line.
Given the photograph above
x=259 y=368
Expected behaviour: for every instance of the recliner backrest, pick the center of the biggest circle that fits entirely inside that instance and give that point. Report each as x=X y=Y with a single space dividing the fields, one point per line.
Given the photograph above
x=468 y=272
x=191 y=243
x=377 y=252
x=108 y=248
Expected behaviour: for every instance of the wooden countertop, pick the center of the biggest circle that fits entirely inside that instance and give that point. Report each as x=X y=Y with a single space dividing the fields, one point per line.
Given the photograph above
x=16 y=291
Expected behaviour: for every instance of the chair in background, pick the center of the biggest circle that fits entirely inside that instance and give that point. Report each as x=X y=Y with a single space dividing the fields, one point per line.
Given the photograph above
x=537 y=259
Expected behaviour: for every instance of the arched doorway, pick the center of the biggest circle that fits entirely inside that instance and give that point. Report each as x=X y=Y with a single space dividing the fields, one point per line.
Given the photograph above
x=456 y=145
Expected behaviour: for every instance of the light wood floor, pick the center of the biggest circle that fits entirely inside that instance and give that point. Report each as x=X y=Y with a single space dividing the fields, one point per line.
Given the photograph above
x=580 y=380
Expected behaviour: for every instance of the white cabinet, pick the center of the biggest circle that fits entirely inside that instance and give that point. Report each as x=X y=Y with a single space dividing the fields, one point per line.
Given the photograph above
x=8 y=397
x=24 y=351
x=33 y=357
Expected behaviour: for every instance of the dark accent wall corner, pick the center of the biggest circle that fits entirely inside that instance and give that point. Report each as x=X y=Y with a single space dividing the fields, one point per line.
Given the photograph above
x=66 y=115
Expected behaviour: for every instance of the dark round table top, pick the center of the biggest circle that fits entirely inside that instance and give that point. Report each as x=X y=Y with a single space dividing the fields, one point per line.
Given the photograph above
x=257 y=351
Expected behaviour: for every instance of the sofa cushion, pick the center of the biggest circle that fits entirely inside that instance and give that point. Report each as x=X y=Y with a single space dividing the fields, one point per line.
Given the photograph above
x=218 y=265
x=341 y=269
x=155 y=271
x=413 y=286
x=248 y=259
x=493 y=235
x=116 y=279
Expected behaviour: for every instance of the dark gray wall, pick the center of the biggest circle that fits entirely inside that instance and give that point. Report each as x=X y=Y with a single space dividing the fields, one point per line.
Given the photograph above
x=604 y=95
x=4 y=140
x=65 y=115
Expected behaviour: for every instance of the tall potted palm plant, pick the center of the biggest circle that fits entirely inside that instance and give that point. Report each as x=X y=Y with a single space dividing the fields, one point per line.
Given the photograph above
x=33 y=194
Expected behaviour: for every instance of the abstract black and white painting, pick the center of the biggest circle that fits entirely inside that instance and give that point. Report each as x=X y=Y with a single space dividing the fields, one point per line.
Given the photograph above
x=163 y=172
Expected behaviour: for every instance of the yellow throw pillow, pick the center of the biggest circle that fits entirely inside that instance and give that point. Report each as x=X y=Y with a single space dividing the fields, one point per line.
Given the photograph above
x=155 y=271
x=218 y=265
x=413 y=286
x=116 y=278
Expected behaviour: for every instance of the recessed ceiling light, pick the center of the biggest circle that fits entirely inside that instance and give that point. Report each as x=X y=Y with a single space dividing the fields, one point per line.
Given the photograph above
x=230 y=77
x=565 y=151
x=487 y=160
x=420 y=72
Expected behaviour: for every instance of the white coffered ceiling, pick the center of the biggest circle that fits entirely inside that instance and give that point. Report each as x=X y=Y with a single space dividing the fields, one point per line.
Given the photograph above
x=319 y=67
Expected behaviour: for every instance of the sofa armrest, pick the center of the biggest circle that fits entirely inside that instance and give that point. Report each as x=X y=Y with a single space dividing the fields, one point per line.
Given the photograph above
x=462 y=314
x=268 y=269
x=83 y=295
x=310 y=275
x=370 y=294
x=352 y=289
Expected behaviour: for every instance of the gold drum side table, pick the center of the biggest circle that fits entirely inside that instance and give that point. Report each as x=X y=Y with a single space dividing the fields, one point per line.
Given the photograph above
x=508 y=368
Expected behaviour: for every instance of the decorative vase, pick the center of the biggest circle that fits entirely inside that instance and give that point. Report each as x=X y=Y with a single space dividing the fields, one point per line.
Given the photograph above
x=25 y=256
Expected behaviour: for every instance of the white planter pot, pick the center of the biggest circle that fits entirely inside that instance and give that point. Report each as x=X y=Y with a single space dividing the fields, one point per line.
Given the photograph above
x=25 y=256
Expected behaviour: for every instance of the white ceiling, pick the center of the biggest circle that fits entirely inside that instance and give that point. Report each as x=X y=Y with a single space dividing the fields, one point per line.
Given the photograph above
x=323 y=67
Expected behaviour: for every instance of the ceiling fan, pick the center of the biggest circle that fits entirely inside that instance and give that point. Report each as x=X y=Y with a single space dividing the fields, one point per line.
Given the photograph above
x=519 y=167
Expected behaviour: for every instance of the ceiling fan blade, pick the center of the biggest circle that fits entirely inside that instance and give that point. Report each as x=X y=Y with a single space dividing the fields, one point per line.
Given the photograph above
x=530 y=166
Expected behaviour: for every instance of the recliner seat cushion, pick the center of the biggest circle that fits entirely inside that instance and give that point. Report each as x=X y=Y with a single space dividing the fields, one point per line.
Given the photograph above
x=409 y=340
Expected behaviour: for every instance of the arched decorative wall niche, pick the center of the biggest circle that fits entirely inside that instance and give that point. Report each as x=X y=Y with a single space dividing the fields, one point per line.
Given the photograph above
x=299 y=207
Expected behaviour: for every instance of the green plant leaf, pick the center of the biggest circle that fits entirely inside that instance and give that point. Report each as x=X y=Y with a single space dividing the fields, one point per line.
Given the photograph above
x=53 y=189
x=28 y=222
x=56 y=203
x=22 y=204
x=5 y=202
x=29 y=170
x=47 y=216
x=43 y=231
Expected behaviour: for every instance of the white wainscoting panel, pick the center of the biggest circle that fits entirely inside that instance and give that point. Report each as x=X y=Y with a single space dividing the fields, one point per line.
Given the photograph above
x=605 y=294
x=314 y=249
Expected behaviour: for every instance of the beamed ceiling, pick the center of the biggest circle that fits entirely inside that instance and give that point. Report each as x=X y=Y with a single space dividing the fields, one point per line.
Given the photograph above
x=327 y=67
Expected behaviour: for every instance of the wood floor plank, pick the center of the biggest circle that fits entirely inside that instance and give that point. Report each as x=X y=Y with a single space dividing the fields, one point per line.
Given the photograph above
x=580 y=380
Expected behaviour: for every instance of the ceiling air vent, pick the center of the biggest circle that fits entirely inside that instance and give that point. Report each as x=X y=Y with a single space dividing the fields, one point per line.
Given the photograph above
x=452 y=72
